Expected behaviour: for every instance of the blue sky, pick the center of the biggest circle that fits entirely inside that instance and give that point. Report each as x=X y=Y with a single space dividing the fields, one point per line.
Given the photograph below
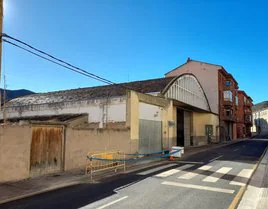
x=135 y=40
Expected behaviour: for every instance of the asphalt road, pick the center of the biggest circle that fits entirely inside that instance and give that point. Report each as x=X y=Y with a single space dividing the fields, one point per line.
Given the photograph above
x=208 y=180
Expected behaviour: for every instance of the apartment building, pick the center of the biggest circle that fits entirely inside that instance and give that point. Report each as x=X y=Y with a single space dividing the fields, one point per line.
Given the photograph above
x=220 y=88
x=227 y=104
x=244 y=115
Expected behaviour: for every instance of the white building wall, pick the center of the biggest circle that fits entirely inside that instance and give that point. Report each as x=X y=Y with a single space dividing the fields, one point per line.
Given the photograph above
x=260 y=119
x=101 y=110
x=149 y=112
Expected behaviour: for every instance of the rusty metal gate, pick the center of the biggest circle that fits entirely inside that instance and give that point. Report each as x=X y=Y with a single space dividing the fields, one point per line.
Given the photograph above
x=150 y=134
x=46 y=150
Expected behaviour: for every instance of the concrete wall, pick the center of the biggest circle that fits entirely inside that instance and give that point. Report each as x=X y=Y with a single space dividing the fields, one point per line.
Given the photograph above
x=80 y=142
x=141 y=106
x=207 y=75
x=199 y=133
x=98 y=110
x=15 y=143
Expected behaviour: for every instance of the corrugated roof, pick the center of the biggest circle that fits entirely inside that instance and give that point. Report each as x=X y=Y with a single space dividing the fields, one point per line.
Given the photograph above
x=84 y=94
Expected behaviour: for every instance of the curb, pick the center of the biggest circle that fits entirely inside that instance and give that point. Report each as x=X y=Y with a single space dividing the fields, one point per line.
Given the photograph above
x=242 y=190
x=38 y=192
x=73 y=184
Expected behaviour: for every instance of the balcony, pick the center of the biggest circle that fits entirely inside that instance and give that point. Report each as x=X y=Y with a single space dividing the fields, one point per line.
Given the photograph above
x=231 y=118
x=227 y=103
x=248 y=119
x=247 y=104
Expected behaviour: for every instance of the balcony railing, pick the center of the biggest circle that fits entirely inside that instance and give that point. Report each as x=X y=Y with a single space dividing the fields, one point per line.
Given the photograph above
x=229 y=118
x=247 y=104
x=227 y=103
x=248 y=120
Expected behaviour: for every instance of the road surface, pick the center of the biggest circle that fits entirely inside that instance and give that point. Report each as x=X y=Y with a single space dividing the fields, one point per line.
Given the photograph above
x=209 y=179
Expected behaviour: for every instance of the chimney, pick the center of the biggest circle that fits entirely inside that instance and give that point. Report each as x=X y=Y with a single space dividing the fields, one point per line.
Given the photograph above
x=188 y=59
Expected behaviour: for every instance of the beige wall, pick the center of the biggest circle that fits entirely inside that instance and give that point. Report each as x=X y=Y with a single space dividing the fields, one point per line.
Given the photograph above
x=207 y=75
x=199 y=122
x=81 y=141
x=134 y=102
x=15 y=143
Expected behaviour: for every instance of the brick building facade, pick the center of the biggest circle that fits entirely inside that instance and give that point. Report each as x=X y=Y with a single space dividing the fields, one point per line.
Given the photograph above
x=227 y=104
x=244 y=115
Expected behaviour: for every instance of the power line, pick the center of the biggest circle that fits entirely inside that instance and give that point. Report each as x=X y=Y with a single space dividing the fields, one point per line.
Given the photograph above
x=83 y=72
x=53 y=57
x=50 y=60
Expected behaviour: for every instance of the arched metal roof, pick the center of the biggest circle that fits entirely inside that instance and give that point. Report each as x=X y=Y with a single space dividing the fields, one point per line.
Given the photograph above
x=187 y=89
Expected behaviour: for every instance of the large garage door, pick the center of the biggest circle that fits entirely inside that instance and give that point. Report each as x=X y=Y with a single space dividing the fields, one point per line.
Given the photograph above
x=46 y=150
x=150 y=134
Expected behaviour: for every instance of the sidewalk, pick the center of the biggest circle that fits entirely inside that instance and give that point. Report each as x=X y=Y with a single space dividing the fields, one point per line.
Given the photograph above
x=11 y=191
x=256 y=194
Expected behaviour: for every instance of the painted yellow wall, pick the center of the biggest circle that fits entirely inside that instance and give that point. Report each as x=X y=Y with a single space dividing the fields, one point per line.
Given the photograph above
x=133 y=115
x=202 y=119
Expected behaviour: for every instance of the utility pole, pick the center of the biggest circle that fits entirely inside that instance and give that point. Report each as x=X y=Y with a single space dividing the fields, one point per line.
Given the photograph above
x=4 y=101
x=1 y=31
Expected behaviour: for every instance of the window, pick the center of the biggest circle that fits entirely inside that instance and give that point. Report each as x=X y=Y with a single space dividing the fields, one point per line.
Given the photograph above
x=228 y=112
x=245 y=100
x=228 y=83
x=228 y=96
x=236 y=100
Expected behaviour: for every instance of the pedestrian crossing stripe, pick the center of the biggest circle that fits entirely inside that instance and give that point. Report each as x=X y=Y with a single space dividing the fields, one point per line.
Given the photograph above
x=222 y=171
x=188 y=175
x=173 y=171
x=245 y=174
x=205 y=167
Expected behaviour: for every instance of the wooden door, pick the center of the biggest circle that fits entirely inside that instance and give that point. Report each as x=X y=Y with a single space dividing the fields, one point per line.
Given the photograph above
x=46 y=150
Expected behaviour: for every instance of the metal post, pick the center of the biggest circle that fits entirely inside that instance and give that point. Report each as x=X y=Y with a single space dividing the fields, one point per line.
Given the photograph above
x=86 y=167
x=124 y=162
x=1 y=31
x=91 y=172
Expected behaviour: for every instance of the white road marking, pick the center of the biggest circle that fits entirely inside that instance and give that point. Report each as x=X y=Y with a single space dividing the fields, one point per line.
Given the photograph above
x=216 y=158
x=113 y=202
x=205 y=167
x=124 y=186
x=156 y=169
x=189 y=162
x=236 y=183
x=173 y=171
x=192 y=186
x=221 y=171
x=236 y=149
x=188 y=175
x=245 y=173
x=167 y=173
